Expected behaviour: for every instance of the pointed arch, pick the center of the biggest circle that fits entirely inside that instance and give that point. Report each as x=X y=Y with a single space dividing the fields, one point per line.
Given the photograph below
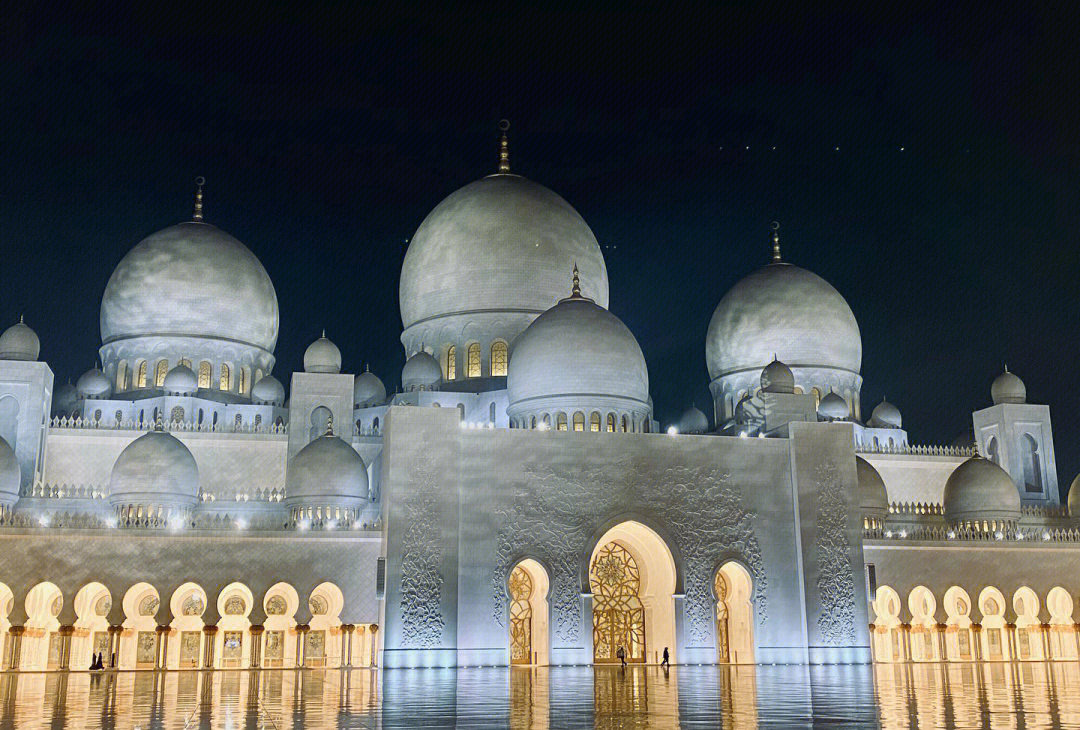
x=733 y=589
x=888 y=639
x=280 y=604
x=499 y=358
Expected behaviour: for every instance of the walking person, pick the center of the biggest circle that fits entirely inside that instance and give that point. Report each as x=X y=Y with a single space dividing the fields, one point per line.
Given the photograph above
x=621 y=653
x=667 y=659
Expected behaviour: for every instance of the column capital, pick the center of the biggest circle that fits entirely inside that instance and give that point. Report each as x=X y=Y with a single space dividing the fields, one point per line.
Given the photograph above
x=348 y=628
x=210 y=629
x=302 y=628
x=256 y=628
x=163 y=629
x=17 y=630
x=116 y=629
x=66 y=630
x=373 y=628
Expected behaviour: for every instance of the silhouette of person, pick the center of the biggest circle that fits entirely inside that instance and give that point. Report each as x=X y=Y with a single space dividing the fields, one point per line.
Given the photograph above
x=667 y=658
x=621 y=653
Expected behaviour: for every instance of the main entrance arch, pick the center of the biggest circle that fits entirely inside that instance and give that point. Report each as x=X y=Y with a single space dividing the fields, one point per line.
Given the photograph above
x=632 y=580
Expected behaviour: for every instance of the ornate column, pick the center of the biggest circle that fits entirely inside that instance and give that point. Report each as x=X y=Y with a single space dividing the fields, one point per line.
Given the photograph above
x=16 y=646
x=210 y=634
x=163 y=647
x=1010 y=641
x=256 y=644
x=374 y=628
x=976 y=631
x=65 y=645
x=361 y=637
x=301 y=643
x=905 y=632
x=114 y=645
x=346 y=644
x=942 y=645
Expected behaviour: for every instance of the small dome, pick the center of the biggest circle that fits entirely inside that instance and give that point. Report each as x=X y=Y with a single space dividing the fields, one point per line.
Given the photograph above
x=368 y=390
x=885 y=415
x=19 y=342
x=581 y=351
x=93 y=385
x=777 y=377
x=421 y=372
x=1074 y=497
x=693 y=420
x=980 y=490
x=155 y=468
x=1007 y=388
x=180 y=380
x=322 y=356
x=64 y=399
x=327 y=470
x=268 y=390
x=873 y=497
x=10 y=475
x=833 y=407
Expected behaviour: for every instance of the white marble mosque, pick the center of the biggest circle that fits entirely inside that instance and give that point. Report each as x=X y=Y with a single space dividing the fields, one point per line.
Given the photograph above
x=517 y=502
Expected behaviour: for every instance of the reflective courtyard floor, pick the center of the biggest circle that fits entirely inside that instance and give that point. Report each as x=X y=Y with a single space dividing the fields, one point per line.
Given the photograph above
x=1022 y=695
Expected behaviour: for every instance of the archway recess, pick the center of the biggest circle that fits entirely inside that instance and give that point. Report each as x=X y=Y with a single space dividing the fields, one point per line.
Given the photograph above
x=733 y=588
x=528 y=625
x=632 y=579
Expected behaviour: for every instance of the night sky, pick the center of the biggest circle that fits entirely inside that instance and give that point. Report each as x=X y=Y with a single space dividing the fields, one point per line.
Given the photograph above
x=948 y=217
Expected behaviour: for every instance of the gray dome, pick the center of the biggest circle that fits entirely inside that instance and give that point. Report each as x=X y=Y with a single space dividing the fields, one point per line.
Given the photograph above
x=19 y=342
x=327 y=470
x=577 y=348
x=155 y=468
x=885 y=415
x=368 y=390
x=93 y=385
x=1007 y=388
x=693 y=420
x=181 y=380
x=268 y=390
x=980 y=490
x=502 y=243
x=191 y=280
x=322 y=356
x=873 y=497
x=777 y=377
x=421 y=372
x=10 y=475
x=833 y=407
x=1074 y=497
x=64 y=399
x=788 y=311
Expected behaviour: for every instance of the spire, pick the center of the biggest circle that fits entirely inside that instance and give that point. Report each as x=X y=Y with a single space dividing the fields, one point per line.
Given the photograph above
x=575 y=292
x=199 y=182
x=330 y=425
x=324 y=333
x=776 y=242
x=159 y=422
x=504 y=148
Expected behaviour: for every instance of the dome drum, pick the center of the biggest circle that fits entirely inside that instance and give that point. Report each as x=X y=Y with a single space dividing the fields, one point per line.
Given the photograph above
x=636 y=412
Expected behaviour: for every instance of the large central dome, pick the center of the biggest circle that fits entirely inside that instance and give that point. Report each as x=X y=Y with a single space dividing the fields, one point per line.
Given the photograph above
x=501 y=245
x=191 y=280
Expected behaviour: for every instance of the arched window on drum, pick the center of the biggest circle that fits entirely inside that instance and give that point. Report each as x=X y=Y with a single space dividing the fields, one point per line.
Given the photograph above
x=498 y=358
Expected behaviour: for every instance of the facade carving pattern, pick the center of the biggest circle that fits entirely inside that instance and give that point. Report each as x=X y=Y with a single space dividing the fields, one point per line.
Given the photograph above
x=422 y=620
x=835 y=584
x=551 y=515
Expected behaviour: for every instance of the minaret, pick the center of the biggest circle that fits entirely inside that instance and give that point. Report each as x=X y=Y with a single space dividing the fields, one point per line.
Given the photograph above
x=197 y=214
x=504 y=149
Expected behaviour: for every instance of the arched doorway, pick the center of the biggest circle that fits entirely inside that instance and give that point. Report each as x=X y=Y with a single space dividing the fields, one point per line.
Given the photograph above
x=632 y=579
x=733 y=588
x=527 y=587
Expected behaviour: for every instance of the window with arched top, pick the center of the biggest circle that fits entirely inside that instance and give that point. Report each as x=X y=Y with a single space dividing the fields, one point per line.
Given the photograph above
x=532 y=422
x=140 y=375
x=159 y=372
x=243 y=374
x=451 y=363
x=579 y=421
x=594 y=422
x=473 y=367
x=992 y=451
x=204 y=374
x=625 y=424
x=611 y=423
x=498 y=358
x=121 y=376
x=1029 y=450
x=560 y=422
x=817 y=396
x=225 y=381
x=491 y=412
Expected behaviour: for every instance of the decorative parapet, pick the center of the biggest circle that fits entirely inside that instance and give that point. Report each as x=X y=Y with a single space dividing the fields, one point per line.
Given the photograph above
x=944 y=533
x=915 y=450
x=42 y=490
x=254 y=495
x=79 y=423
x=916 y=509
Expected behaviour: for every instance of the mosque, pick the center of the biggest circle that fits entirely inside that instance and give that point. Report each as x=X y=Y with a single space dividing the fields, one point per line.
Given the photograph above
x=516 y=501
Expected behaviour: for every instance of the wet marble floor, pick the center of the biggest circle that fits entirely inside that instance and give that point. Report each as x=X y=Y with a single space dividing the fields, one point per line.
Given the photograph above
x=1021 y=695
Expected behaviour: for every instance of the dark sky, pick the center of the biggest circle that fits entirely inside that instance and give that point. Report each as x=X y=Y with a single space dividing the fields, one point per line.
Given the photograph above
x=327 y=134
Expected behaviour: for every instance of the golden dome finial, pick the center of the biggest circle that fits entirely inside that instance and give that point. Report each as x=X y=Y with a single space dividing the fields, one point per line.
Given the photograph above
x=504 y=148
x=776 y=242
x=575 y=292
x=199 y=182
x=330 y=425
